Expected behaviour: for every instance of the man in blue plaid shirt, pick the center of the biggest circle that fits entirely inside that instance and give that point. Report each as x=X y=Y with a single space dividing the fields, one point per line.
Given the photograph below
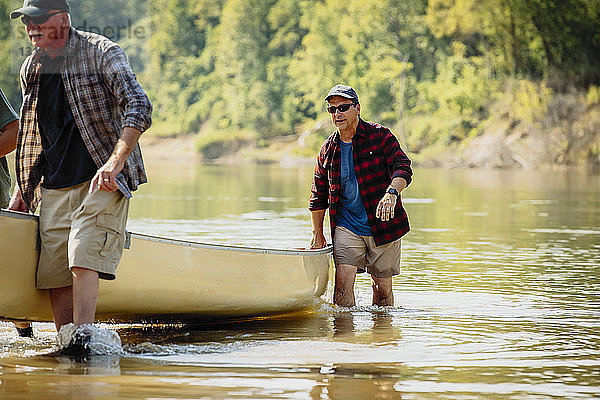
x=77 y=156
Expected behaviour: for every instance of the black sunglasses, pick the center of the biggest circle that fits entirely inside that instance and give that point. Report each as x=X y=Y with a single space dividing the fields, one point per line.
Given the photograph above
x=341 y=107
x=26 y=19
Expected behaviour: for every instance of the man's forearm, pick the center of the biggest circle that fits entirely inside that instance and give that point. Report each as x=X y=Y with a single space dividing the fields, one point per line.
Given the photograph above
x=399 y=184
x=125 y=145
x=318 y=240
x=105 y=178
x=317 y=217
x=8 y=137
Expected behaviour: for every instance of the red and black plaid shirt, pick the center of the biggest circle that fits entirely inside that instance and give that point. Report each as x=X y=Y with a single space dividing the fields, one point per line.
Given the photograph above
x=378 y=159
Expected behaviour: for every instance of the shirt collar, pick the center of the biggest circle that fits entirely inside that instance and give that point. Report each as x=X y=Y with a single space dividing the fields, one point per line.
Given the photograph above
x=360 y=130
x=71 y=44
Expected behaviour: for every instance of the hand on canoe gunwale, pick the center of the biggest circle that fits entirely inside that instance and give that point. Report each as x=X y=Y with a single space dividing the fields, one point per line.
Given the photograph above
x=318 y=240
x=17 y=203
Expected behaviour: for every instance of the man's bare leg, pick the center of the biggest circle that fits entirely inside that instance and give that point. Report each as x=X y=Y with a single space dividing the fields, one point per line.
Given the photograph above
x=343 y=294
x=382 y=291
x=85 y=295
x=62 y=306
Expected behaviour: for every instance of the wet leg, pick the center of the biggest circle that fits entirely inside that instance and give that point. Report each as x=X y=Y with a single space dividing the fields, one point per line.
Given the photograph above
x=85 y=295
x=62 y=306
x=343 y=294
x=382 y=291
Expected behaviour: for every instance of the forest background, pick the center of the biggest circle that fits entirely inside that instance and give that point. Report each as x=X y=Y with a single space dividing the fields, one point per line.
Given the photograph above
x=461 y=83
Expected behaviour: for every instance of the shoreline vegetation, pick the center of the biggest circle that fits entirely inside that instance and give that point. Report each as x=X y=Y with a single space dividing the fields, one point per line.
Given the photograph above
x=465 y=83
x=566 y=133
x=462 y=83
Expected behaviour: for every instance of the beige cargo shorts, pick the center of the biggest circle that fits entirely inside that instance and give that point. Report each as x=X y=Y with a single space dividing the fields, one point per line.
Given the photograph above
x=80 y=229
x=361 y=251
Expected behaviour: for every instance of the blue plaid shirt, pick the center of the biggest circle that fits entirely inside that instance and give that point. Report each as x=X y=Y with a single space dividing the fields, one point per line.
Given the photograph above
x=104 y=96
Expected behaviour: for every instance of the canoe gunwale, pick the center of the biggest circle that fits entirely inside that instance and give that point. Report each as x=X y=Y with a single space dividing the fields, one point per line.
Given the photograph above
x=190 y=243
x=18 y=214
x=224 y=247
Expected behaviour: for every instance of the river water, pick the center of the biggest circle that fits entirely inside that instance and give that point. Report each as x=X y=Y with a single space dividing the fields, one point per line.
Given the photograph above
x=499 y=298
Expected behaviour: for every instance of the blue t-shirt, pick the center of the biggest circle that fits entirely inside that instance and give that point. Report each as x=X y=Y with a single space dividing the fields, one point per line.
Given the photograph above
x=352 y=214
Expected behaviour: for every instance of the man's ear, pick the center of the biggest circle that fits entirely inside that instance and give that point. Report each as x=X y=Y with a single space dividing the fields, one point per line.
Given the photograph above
x=66 y=20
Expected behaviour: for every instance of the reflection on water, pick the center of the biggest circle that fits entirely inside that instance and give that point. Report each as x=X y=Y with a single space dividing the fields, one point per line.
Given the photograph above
x=499 y=298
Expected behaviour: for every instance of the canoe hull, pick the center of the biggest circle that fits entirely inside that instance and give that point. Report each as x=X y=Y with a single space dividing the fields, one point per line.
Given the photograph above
x=160 y=279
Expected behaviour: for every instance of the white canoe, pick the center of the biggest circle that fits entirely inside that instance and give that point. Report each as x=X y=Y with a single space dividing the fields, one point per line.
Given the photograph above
x=160 y=279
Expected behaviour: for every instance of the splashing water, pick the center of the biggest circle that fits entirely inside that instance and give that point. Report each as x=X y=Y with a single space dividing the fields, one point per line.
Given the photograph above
x=103 y=341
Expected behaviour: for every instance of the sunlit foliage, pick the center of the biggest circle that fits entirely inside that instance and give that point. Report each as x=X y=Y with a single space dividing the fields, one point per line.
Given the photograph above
x=436 y=71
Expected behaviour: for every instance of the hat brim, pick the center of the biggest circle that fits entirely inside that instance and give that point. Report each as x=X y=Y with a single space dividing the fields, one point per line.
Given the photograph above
x=346 y=96
x=29 y=11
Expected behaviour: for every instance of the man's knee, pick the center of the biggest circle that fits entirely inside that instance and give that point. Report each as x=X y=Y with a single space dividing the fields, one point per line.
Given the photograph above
x=346 y=273
x=83 y=270
x=84 y=276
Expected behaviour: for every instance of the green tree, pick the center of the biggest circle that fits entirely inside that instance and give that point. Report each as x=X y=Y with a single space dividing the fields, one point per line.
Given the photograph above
x=179 y=74
x=241 y=60
x=570 y=36
x=539 y=38
x=319 y=63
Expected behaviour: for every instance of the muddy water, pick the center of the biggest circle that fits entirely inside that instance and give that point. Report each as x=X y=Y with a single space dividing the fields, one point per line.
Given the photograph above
x=499 y=298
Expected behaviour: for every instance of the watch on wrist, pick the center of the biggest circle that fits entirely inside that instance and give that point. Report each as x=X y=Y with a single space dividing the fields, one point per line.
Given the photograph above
x=391 y=190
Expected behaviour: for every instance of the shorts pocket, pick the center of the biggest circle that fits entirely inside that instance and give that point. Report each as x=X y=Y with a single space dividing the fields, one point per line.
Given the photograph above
x=111 y=225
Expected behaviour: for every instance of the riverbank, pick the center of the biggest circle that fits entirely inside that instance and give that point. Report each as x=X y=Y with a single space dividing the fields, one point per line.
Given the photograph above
x=179 y=149
x=563 y=129
x=500 y=146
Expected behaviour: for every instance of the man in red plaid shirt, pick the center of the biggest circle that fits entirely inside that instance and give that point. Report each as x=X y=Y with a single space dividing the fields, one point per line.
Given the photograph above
x=359 y=175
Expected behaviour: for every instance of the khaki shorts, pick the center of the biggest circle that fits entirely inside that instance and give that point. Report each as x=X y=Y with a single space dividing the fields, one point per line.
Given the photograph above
x=361 y=252
x=80 y=229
